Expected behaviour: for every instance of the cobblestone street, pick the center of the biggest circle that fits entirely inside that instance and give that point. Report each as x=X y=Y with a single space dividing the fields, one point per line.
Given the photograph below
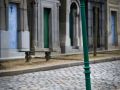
x=105 y=76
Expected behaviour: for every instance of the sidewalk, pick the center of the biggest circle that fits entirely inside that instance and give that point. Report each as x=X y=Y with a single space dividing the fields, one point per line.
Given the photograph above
x=60 y=61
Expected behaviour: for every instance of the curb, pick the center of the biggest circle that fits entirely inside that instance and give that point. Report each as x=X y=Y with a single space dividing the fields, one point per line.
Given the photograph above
x=30 y=70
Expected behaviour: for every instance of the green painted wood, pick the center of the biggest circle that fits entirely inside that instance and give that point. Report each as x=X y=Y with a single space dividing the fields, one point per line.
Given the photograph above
x=72 y=16
x=46 y=27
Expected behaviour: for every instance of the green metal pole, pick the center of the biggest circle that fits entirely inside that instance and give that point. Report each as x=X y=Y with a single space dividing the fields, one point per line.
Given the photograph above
x=85 y=46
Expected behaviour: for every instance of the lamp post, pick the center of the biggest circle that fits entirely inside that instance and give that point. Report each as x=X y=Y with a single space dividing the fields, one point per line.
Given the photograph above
x=85 y=46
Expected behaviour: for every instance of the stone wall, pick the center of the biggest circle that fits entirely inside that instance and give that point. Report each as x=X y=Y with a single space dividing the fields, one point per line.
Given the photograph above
x=65 y=40
x=113 y=5
x=100 y=4
x=36 y=24
x=5 y=51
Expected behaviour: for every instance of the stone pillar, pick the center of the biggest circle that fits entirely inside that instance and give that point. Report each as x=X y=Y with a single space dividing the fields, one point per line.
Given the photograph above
x=23 y=34
x=74 y=29
x=35 y=24
x=3 y=29
x=3 y=15
x=77 y=31
x=67 y=39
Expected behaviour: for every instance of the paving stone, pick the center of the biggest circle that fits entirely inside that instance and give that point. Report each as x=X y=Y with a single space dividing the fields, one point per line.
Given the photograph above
x=104 y=76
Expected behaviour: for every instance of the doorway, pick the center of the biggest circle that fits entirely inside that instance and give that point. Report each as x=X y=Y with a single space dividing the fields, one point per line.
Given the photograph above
x=114 y=28
x=46 y=27
x=73 y=24
x=96 y=27
x=13 y=25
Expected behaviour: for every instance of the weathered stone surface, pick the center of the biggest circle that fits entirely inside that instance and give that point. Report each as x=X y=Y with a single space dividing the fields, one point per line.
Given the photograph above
x=105 y=76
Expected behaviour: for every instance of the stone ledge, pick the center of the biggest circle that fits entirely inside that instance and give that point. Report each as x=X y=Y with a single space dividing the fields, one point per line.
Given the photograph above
x=51 y=67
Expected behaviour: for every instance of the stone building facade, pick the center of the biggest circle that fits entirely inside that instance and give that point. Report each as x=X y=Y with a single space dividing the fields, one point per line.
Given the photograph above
x=54 y=25
x=14 y=32
x=113 y=25
x=96 y=11
x=70 y=26
x=44 y=25
x=28 y=25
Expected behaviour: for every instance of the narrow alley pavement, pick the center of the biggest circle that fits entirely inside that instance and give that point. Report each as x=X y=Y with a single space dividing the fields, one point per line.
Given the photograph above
x=105 y=76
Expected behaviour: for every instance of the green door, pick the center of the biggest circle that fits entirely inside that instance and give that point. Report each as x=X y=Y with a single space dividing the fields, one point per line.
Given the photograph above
x=46 y=27
x=71 y=27
x=72 y=21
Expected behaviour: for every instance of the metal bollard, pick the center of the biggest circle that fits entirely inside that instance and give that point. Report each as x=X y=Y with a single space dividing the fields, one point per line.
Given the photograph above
x=27 y=56
x=47 y=56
